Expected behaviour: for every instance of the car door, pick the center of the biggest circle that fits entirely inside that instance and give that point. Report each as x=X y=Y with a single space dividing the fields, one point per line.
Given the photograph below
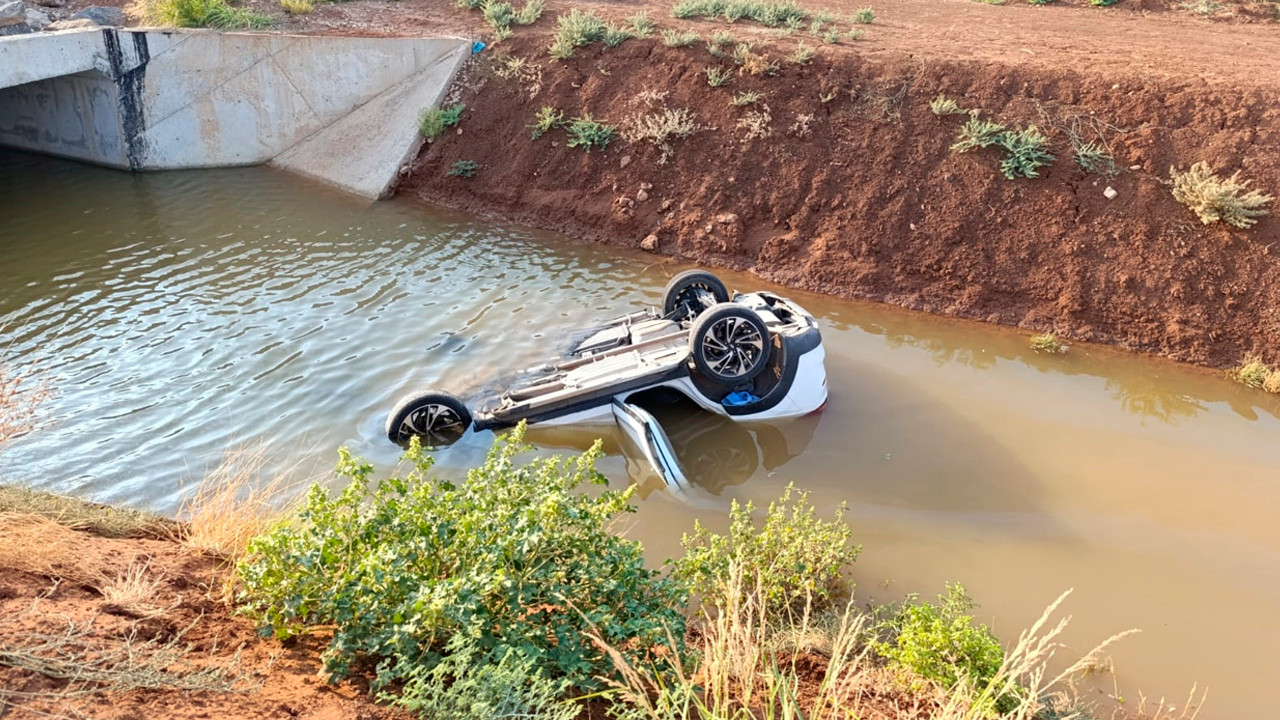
x=645 y=439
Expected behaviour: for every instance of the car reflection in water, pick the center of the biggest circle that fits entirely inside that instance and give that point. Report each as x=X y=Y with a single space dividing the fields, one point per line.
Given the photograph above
x=713 y=452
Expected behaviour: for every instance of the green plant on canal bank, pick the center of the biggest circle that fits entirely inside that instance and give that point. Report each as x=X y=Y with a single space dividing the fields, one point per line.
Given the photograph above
x=463 y=169
x=433 y=122
x=507 y=594
x=218 y=14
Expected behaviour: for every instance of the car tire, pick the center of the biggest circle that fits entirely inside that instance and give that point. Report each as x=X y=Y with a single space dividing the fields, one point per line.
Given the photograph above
x=683 y=297
x=438 y=418
x=730 y=344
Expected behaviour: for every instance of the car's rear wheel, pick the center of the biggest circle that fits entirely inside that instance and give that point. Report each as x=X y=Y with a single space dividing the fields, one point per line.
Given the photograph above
x=691 y=292
x=438 y=418
x=730 y=344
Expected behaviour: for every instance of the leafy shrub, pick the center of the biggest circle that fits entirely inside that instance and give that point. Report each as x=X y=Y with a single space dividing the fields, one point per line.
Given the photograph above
x=1039 y=2
x=530 y=13
x=943 y=105
x=831 y=36
x=432 y=123
x=940 y=642
x=1047 y=343
x=217 y=14
x=855 y=34
x=796 y=555
x=516 y=558
x=464 y=687
x=977 y=133
x=463 y=169
x=1103 y=3
x=1026 y=151
x=547 y=118
x=675 y=38
x=716 y=77
x=864 y=16
x=743 y=99
x=586 y=132
x=1214 y=199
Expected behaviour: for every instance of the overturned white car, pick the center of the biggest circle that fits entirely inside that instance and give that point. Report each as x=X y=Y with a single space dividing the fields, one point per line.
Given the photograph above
x=752 y=356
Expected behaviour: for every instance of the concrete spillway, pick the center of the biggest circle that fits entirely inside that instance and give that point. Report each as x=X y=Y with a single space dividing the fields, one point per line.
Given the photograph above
x=343 y=110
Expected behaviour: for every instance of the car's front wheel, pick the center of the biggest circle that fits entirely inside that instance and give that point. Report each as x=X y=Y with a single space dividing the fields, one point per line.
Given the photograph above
x=730 y=344
x=691 y=292
x=438 y=418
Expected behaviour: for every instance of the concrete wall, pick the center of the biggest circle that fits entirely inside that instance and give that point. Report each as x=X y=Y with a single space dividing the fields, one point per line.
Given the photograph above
x=340 y=109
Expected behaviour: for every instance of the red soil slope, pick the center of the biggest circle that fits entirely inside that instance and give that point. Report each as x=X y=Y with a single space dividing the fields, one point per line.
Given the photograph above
x=869 y=202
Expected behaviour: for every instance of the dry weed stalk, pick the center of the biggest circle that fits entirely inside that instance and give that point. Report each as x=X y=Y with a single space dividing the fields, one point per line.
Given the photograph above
x=1216 y=199
x=231 y=505
x=20 y=401
x=89 y=666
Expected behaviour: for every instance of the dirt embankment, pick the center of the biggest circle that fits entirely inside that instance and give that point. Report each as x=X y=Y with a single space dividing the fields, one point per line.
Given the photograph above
x=125 y=629
x=851 y=188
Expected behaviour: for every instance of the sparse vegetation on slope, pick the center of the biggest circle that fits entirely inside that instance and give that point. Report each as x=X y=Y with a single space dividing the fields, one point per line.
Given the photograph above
x=217 y=14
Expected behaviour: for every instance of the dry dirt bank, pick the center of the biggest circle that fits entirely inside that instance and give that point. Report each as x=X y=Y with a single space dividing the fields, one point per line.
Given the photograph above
x=864 y=199
x=170 y=648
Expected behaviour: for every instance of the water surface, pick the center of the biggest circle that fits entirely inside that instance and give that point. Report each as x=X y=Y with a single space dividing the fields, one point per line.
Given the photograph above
x=180 y=314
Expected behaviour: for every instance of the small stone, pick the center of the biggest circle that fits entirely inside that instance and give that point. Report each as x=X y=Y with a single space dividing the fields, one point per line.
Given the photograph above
x=1110 y=193
x=458 y=131
x=646 y=186
x=37 y=20
x=650 y=243
x=1135 y=167
x=625 y=161
x=51 y=3
x=104 y=16
x=12 y=13
x=642 y=195
x=709 y=228
x=727 y=219
x=913 y=225
x=666 y=205
x=19 y=29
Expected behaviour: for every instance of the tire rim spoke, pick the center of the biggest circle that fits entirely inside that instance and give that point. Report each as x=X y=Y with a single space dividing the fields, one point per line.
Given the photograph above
x=732 y=346
x=438 y=424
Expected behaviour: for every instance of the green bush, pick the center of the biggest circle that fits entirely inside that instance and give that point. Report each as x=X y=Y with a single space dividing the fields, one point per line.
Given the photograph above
x=864 y=16
x=766 y=12
x=1026 y=151
x=586 y=132
x=462 y=687
x=579 y=29
x=432 y=123
x=217 y=14
x=797 y=556
x=547 y=118
x=463 y=169
x=675 y=38
x=939 y=642
x=517 y=559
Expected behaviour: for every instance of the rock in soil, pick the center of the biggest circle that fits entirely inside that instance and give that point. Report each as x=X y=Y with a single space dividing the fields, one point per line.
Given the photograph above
x=104 y=16
x=19 y=29
x=37 y=20
x=650 y=243
x=12 y=13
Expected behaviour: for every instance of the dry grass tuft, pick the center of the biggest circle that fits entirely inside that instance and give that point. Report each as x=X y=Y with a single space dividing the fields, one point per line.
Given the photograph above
x=232 y=504
x=132 y=592
x=95 y=518
x=1048 y=343
x=1256 y=374
x=1215 y=199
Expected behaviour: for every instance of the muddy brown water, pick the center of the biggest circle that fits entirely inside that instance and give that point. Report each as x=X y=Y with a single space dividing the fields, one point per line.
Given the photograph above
x=180 y=314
